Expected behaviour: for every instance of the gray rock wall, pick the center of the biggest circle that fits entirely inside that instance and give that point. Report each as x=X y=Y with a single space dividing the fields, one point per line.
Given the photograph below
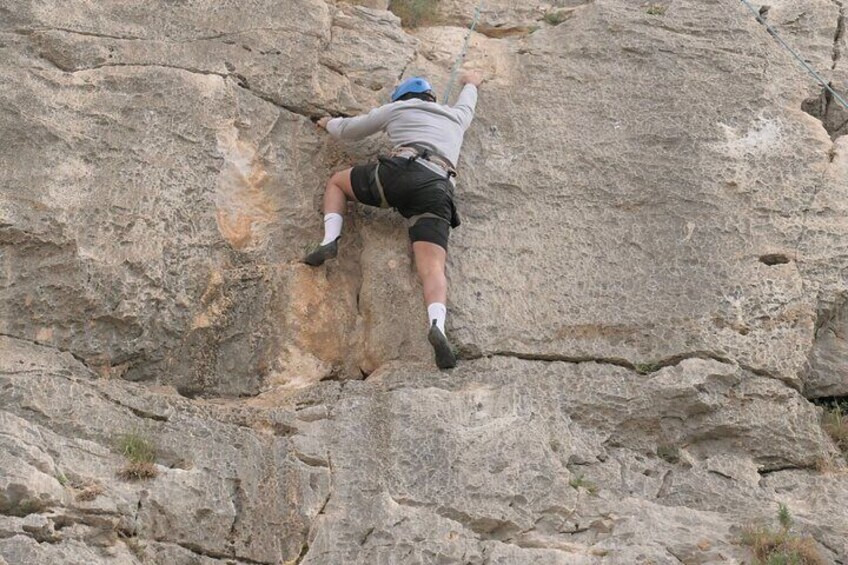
x=648 y=285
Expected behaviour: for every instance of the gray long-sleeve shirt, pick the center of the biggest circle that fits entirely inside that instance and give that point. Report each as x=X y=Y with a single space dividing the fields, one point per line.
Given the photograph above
x=437 y=127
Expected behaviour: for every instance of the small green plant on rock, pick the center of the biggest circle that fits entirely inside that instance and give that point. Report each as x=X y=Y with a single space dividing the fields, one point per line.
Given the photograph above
x=140 y=454
x=656 y=10
x=669 y=453
x=414 y=13
x=783 y=516
x=646 y=368
x=23 y=507
x=781 y=547
x=579 y=480
x=556 y=17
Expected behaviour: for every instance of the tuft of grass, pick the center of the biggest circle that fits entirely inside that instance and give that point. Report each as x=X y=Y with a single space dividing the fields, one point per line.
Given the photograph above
x=835 y=423
x=137 y=448
x=646 y=368
x=63 y=479
x=138 y=471
x=414 y=13
x=657 y=10
x=832 y=464
x=23 y=507
x=669 y=453
x=556 y=17
x=781 y=547
x=579 y=481
x=88 y=492
x=141 y=455
x=783 y=516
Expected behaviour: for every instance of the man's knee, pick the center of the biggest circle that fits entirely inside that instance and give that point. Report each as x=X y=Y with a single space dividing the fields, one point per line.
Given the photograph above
x=429 y=259
x=433 y=273
x=341 y=180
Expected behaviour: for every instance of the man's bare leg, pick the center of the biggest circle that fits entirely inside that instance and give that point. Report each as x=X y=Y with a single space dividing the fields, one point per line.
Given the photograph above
x=336 y=194
x=430 y=263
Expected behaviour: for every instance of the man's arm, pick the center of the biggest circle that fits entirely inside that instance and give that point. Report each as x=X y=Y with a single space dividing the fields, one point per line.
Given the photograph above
x=467 y=101
x=358 y=127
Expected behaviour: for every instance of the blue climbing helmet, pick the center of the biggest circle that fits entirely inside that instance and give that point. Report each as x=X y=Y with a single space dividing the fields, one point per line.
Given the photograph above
x=417 y=85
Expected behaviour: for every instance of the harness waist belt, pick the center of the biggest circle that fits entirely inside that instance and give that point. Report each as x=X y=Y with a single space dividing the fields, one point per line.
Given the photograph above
x=413 y=152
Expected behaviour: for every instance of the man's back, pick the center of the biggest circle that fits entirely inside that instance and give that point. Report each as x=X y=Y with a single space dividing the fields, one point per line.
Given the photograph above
x=436 y=126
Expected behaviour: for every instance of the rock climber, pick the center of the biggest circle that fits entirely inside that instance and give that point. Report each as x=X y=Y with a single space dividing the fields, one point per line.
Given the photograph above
x=416 y=179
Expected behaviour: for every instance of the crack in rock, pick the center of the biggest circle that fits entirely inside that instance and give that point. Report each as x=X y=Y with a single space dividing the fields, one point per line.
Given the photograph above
x=485 y=528
x=310 y=534
x=212 y=37
x=197 y=550
x=642 y=368
x=79 y=358
x=838 y=34
x=153 y=65
x=30 y=31
x=238 y=80
x=237 y=496
x=824 y=107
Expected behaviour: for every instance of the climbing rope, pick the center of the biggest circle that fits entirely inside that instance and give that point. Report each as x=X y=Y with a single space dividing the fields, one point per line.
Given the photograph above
x=811 y=70
x=462 y=54
x=821 y=81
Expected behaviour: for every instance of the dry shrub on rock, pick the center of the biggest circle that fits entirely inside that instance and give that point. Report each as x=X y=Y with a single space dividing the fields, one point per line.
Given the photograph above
x=835 y=423
x=414 y=13
x=781 y=547
x=140 y=454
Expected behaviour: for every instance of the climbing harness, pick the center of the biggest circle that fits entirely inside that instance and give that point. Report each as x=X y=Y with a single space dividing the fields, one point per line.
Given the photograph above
x=383 y=202
x=428 y=159
x=462 y=54
x=811 y=70
x=413 y=152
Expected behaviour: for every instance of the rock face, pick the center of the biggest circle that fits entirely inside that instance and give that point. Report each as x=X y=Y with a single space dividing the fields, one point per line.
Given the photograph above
x=502 y=461
x=648 y=285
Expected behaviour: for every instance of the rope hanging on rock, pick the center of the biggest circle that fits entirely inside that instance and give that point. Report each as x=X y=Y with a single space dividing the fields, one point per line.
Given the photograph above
x=462 y=54
x=811 y=70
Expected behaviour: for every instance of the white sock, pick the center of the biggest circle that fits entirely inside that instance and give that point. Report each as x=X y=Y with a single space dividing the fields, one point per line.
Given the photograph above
x=332 y=227
x=437 y=311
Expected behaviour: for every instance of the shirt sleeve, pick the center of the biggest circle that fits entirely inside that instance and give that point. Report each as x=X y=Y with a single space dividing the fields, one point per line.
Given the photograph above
x=465 y=105
x=359 y=126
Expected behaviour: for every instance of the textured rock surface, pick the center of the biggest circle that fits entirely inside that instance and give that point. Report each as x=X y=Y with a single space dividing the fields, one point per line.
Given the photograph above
x=503 y=461
x=649 y=280
x=828 y=375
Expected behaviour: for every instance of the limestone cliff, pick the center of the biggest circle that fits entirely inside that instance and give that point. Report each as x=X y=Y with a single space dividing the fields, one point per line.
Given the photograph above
x=649 y=288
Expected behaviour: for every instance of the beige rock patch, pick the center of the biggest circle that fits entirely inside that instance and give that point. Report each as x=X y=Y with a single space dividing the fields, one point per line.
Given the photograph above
x=214 y=300
x=244 y=209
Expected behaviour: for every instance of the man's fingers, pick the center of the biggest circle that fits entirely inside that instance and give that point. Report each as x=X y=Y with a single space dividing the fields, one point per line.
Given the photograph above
x=472 y=77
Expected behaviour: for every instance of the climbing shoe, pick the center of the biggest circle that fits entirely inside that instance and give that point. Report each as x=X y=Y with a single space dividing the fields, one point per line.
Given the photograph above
x=321 y=253
x=445 y=357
